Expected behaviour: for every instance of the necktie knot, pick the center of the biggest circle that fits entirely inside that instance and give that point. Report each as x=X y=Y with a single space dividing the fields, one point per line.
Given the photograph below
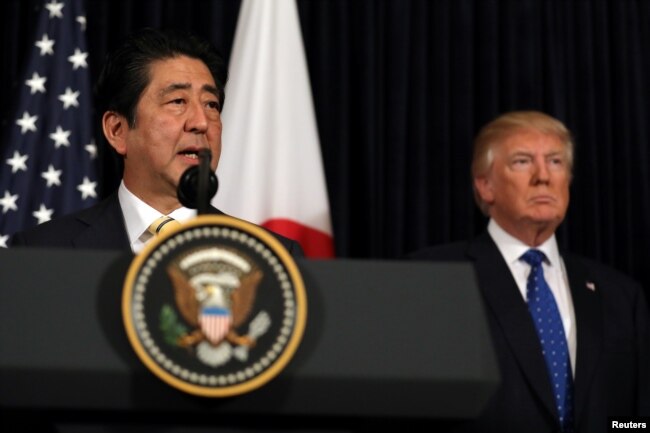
x=533 y=257
x=162 y=224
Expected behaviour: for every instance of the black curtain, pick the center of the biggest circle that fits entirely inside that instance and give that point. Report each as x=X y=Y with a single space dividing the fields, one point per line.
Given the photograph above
x=401 y=88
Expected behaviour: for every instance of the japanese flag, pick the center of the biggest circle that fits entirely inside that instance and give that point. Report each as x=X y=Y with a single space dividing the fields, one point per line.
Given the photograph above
x=271 y=170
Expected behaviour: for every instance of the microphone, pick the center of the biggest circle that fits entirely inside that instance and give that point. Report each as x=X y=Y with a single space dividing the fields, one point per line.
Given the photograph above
x=198 y=184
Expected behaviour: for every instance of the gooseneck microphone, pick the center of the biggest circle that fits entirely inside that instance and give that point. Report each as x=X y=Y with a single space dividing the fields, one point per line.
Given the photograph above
x=198 y=184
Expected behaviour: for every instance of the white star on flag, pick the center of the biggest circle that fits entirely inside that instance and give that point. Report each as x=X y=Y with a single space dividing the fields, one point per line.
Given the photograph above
x=55 y=9
x=91 y=148
x=78 y=59
x=27 y=123
x=52 y=176
x=36 y=83
x=87 y=189
x=53 y=166
x=46 y=45
x=82 y=21
x=3 y=241
x=60 y=137
x=69 y=98
x=43 y=214
x=8 y=202
x=18 y=162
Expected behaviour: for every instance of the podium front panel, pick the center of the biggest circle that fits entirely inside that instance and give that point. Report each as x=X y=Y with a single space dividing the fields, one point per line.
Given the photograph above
x=383 y=339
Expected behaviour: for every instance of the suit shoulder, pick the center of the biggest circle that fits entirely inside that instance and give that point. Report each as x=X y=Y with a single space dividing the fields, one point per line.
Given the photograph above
x=602 y=270
x=612 y=281
x=57 y=232
x=291 y=245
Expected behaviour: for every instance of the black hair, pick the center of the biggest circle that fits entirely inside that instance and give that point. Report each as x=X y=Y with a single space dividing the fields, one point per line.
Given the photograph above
x=125 y=74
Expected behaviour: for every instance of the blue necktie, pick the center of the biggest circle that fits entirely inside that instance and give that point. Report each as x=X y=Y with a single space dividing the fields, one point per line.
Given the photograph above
x=550 y=331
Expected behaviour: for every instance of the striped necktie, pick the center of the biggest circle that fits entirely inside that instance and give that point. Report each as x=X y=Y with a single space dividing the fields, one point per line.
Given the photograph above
x=162 y=224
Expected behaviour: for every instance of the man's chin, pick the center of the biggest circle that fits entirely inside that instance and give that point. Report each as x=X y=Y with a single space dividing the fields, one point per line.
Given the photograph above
x=547 y=220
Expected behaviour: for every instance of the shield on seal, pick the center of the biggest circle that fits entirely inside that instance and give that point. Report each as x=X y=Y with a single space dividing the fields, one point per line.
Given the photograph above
x=215 y=323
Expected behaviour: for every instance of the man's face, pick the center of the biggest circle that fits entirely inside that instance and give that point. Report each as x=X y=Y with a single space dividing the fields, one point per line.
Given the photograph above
x=528 y=183
x=176 y=116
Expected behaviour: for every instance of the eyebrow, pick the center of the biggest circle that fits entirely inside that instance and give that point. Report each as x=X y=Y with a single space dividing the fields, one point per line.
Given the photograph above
x=184 y=86
x=531 y=154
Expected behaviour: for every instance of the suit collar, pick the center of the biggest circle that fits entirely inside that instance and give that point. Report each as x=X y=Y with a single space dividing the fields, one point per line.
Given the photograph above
x=105 y=227
x=587 y=304
x=502 y=296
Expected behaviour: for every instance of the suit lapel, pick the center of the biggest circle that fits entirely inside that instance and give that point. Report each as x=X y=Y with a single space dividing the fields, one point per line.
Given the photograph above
x=587 y=304
x=502 y=296
x=105 y=227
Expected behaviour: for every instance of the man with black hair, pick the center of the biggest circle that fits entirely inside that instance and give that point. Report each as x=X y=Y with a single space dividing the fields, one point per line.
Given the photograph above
x=161 y=95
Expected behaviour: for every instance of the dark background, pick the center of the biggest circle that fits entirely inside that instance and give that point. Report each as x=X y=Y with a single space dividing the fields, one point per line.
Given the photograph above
x=401 y=88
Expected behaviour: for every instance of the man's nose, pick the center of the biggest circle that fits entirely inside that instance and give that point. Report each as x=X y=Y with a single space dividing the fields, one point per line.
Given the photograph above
x=197 y=120
x=541 y=171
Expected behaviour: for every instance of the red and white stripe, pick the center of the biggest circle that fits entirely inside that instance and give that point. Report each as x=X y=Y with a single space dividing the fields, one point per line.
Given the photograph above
x=215 y=326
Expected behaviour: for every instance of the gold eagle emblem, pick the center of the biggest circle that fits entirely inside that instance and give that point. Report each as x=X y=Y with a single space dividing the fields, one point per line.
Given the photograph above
x=214 y=291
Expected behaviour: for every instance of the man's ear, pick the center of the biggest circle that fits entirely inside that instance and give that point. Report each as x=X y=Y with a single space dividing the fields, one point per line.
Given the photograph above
x=484 y=189
x=115 y=128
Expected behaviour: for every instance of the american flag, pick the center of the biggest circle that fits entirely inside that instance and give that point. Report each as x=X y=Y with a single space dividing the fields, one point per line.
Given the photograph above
x=49 y=153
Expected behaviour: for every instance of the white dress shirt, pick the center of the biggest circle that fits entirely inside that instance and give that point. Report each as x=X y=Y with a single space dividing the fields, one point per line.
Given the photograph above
x=555 y=274
x=138 y=216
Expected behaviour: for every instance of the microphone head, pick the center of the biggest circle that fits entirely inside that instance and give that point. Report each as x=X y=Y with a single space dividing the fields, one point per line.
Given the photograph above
x=188 y=187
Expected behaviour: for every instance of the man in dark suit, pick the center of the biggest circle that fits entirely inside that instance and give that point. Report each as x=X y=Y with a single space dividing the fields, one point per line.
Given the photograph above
x=161 y=95
x=548 y=309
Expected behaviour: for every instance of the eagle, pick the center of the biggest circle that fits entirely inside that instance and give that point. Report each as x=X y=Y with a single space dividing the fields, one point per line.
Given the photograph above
x=215 y=298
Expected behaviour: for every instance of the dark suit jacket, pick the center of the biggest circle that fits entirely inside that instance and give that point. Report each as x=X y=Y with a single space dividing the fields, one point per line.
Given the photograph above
x=99 y=227
x=612 y=375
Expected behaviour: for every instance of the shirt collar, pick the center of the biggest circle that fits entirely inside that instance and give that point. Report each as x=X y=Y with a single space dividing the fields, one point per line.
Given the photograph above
x=138 y=215
x=512 y=248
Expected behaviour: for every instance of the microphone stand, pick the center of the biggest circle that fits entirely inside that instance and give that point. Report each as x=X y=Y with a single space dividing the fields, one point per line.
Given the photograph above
x=204 y=178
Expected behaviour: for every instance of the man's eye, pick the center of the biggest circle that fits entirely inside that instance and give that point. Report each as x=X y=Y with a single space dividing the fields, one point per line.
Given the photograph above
x=177 y=101
x=556 y=163
x=214 y=105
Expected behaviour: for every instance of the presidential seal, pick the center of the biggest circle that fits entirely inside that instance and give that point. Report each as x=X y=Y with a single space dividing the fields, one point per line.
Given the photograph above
x=215 y=307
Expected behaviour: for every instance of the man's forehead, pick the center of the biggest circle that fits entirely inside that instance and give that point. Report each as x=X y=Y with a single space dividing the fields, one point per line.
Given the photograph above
x=532 y=140
x=180 y=71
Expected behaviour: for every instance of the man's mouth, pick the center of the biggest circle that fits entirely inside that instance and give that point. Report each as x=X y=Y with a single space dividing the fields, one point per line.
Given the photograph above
x=192 y=154
x=543 y=199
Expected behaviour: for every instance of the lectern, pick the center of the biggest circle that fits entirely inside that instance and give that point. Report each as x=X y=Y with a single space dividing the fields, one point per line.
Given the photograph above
x=386 y=343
